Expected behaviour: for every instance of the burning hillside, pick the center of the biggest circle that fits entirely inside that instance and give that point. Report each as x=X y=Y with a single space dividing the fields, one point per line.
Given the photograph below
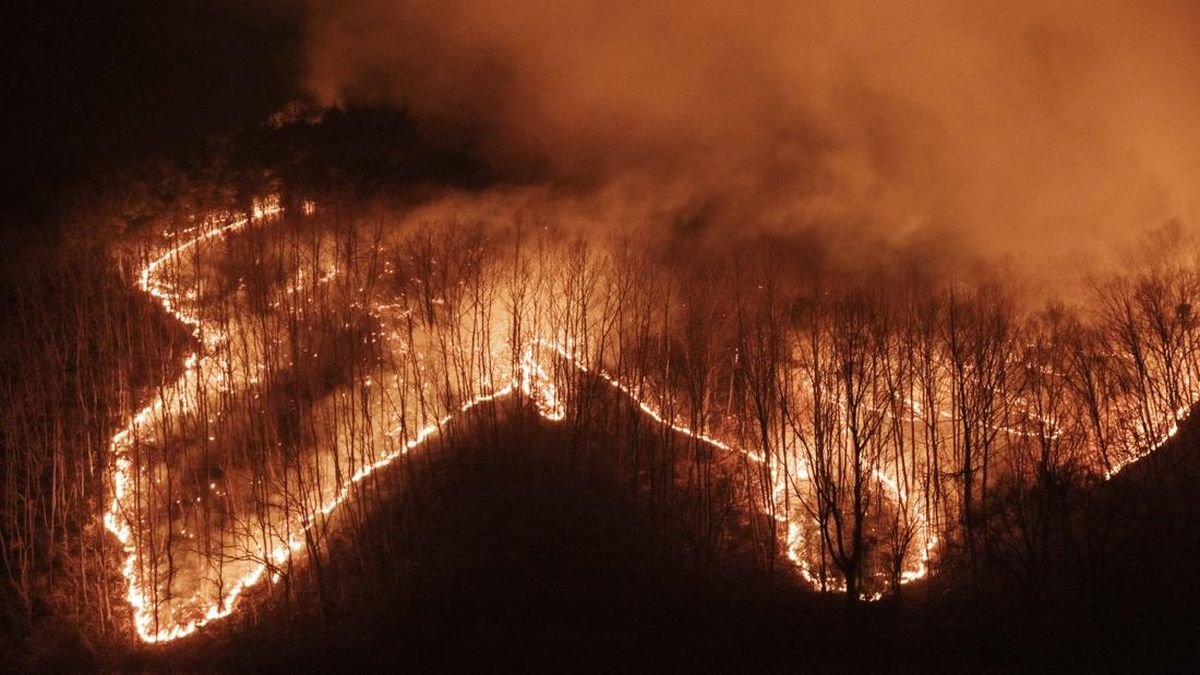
x=865 y=422
x=886 y=316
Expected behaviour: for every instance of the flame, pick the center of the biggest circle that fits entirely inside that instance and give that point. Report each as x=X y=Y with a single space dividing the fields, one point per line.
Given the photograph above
x=122 y=443
x=531 y=380
x=202 y=372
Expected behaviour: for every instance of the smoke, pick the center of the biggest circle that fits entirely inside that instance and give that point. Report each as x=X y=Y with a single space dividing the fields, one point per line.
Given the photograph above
x=1039 y=132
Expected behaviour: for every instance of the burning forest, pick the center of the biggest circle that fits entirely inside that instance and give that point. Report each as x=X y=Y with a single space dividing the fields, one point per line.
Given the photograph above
x=665 y=337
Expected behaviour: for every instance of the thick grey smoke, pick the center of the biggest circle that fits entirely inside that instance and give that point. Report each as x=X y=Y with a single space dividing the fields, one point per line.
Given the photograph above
x=1028 y=128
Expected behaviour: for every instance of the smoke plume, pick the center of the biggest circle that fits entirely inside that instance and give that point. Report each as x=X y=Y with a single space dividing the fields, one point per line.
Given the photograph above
x=1016 y=128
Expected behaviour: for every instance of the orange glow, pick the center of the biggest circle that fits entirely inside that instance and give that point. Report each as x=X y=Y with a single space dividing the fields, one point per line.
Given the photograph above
x=160 y=619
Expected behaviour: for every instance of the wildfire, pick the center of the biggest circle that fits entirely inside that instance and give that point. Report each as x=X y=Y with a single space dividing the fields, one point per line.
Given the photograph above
x=122 y=444
x=531 y=380
x=203 y=374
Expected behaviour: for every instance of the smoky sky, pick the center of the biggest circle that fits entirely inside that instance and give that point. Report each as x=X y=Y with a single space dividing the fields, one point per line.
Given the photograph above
x=1030 y=128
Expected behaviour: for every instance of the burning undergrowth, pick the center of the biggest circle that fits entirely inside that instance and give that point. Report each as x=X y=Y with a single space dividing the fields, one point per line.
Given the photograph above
x=863 y=427
x=821 y=289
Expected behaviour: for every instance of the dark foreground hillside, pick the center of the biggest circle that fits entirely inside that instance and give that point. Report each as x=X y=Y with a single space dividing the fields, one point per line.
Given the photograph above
x=509 y=548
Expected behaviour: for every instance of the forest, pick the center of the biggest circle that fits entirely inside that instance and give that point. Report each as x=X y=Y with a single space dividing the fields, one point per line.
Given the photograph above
x=316 y=380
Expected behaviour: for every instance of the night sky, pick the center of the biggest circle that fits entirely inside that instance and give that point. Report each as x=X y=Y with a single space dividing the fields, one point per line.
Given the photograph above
x=96 y=85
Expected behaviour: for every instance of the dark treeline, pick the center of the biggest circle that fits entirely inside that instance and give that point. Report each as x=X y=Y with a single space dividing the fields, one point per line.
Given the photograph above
x=879 y=429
